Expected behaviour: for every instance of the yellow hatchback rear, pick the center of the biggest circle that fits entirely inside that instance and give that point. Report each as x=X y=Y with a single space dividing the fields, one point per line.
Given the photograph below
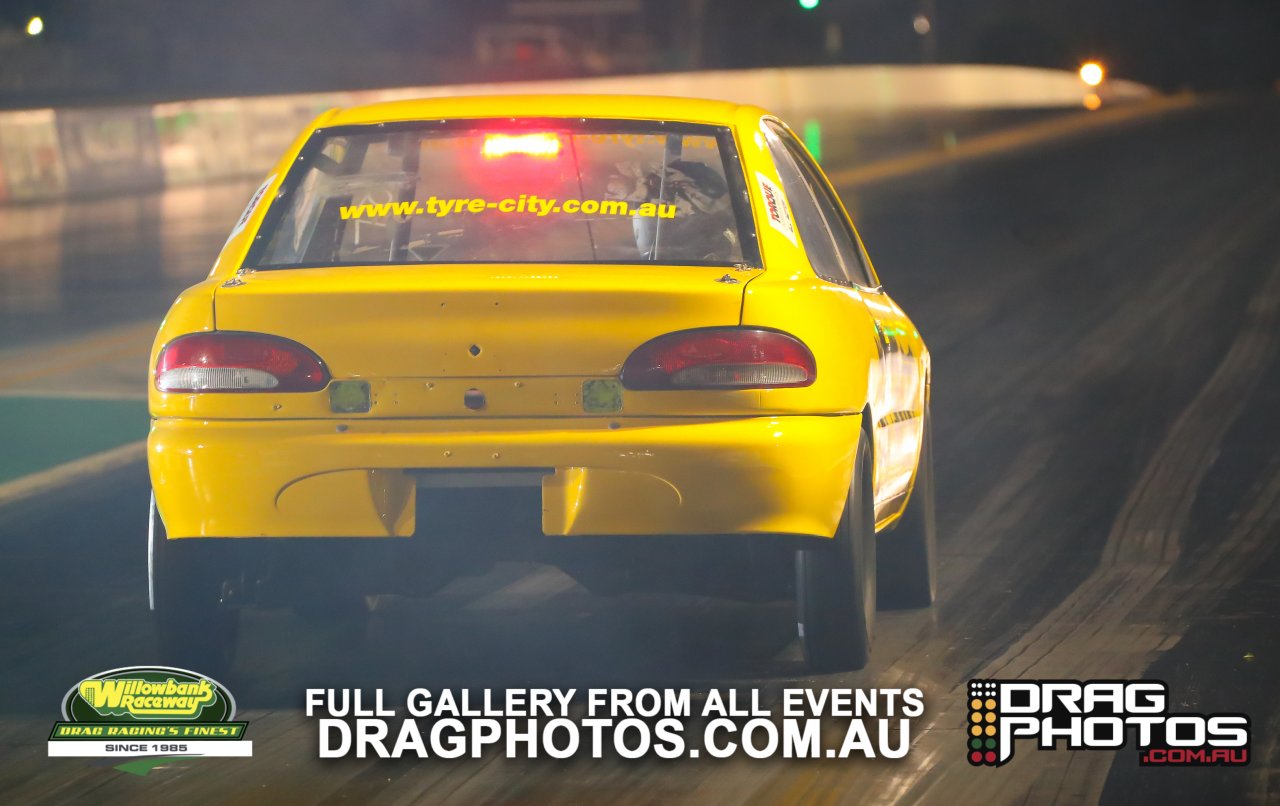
x=467 y=294
x=425 y=301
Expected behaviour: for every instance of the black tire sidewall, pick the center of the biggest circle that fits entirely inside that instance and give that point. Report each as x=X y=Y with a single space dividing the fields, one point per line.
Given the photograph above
x=193 y=630
x=835 y=582
x=909 y=551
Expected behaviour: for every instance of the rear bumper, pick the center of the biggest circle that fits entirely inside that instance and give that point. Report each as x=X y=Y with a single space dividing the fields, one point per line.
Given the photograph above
x=322 y=478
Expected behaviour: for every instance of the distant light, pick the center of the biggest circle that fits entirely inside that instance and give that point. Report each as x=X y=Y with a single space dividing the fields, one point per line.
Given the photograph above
x=1092 y=101
x=1091 y=73
x=813 y=138
x=922 y=25
x=809 y=5
x=34 y=26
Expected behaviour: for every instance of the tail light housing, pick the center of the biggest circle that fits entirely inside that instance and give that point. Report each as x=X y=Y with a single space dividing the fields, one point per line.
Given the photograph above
x=223 y=361
x=720 y=358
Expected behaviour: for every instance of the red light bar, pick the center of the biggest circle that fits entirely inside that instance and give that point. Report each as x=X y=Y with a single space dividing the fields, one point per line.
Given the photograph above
x=538 y=144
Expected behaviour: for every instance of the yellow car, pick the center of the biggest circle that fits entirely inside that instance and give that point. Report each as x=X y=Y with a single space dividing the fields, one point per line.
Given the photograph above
x=646 y=324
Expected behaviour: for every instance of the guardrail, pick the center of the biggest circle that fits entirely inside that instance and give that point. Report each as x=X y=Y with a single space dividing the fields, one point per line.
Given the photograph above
x=48 y=154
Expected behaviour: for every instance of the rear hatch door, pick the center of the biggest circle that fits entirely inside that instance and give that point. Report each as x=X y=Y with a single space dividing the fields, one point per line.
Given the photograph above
x=423 y=336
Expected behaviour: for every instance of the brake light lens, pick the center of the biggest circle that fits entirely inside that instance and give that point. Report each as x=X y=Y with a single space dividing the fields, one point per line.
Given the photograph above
x=720 y=358
x=535 y=144
x=238 y=362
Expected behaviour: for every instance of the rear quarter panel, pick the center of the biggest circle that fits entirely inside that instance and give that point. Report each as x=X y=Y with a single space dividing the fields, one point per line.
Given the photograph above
x=869 y=355
x=789 y=296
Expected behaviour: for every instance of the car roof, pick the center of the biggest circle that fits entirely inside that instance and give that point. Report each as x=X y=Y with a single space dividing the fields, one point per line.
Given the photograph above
x=626 y=107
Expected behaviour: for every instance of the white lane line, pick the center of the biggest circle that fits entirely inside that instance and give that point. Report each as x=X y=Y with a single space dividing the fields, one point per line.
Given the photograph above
x=71 y=472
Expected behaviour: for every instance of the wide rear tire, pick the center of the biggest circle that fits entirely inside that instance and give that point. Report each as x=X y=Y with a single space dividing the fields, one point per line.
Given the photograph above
x=909 y=552
x=193 y=629
x=836 y=582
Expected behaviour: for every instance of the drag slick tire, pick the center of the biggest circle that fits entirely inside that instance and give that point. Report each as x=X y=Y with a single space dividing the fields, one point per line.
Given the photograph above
x=836 y=581
x=909 y=552
x=193 y=629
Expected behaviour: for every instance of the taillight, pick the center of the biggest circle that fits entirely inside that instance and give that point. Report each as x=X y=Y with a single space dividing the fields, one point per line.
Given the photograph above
x=720 y=358
x=238 y=362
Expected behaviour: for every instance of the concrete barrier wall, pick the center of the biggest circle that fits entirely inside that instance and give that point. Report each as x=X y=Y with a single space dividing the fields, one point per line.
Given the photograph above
x=64 y=153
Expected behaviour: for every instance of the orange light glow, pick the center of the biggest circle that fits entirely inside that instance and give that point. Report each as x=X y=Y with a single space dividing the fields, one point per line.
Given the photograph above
x=1091 y=73
x=539 y=144
x=1092 y=101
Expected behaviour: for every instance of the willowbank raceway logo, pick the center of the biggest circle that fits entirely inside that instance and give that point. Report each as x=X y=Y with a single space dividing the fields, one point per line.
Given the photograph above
x=1098 y=715
x=149 y=711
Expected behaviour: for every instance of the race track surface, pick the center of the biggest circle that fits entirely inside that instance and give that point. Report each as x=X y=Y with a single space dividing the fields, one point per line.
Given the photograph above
x=1104 y=316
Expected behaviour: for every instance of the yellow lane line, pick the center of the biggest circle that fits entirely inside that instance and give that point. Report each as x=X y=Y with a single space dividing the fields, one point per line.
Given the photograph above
x=1005 y=140
x=95 y=357
x=70 y=472
x=90 y=344
x=75 y=394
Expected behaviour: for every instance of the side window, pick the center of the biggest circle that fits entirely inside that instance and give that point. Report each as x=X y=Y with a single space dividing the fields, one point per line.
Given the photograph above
x=827 y=238
x=846 y=241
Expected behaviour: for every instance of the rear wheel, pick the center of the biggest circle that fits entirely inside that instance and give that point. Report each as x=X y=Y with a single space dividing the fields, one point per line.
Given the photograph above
x=909 y=552
x=194 y=631
x=836 y=582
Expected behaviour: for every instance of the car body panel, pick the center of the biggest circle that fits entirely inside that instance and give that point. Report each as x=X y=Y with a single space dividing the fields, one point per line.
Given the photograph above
x=625 y=107
x=479 y=321
x=875 y=356
x=782 y=475
x=878 y=354
x=665 y=462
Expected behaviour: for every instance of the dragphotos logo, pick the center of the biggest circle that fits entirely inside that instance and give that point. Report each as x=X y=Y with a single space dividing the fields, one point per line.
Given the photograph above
x=1098 y=715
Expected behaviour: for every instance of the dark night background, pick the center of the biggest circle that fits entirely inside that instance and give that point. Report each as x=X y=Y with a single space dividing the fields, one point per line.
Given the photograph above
x=99 y=51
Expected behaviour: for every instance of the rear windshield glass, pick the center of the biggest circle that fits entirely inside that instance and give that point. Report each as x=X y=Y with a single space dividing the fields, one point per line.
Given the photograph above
x=420 y=193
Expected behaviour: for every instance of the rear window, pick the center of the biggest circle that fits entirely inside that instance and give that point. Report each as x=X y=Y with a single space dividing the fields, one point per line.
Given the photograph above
x=486 y=192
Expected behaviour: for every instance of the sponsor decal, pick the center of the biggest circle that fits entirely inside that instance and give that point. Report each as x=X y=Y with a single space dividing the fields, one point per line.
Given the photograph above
x=525 y=204
x=775 y=205
x=148 y=711
x=250 y=207
x=1098 y=715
